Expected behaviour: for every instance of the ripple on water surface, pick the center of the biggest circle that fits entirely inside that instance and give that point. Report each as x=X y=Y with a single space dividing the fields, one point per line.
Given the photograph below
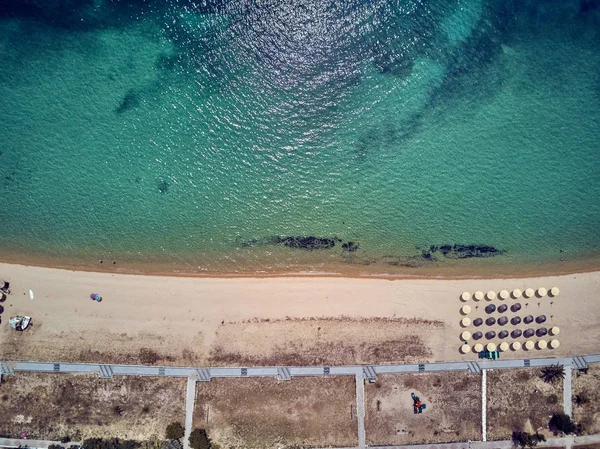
x=205 y=137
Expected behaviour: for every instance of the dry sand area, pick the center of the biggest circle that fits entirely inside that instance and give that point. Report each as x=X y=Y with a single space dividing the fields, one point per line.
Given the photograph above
x=273 y=321
x=82 y=406
x=518 y=399
x=586 y=399
x=453 y=411
x=257 y=413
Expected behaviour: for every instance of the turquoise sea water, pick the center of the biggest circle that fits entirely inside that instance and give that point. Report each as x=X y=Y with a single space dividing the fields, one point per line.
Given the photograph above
x=190 y=135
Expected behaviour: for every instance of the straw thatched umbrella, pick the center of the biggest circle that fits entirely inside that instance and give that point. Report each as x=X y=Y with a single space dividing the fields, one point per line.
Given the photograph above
x=465 y=348
x=542 y=292
x=515 y=320
x=516 y=333
x=554 y=291
x=503 y=346
x=540 y=319
x=478 y=347
x=466 y=335
x=465 y=310
x=555 y=330
x=502 y=308
x=528 y=319
x=516 y=307
x=516 y=293
x=490 y=321
x=503 y=320
x=477 y=322
x=478 y=296
x=465 y=296
x=529 y=333
x=491 y=308
x=491 y=295
x=529 y=293
x=529 y=345
x=503 y=294
x=503 y=333
x=516 y=345
x=554 y=344
x=465 y=322
x=491 y=347
x=542 y=344
x=477 y=335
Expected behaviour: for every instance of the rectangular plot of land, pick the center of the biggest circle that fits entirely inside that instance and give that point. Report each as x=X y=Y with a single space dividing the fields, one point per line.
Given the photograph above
x=257 y=413
x=518 y=399
x=52 y=406
x=452 y=413
x=586 y=400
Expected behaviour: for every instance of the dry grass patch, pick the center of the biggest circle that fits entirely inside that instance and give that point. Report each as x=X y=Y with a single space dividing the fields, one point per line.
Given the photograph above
x=453 y=410
x=257 y=413
x=100 y=346
x=586 y=400
x=322 y=341
x=52 y=406
x=517 y=399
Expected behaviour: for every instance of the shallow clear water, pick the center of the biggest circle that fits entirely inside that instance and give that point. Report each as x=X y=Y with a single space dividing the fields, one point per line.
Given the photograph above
x=190 y=136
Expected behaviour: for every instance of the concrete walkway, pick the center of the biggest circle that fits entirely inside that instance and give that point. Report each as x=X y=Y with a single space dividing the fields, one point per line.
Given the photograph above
x=190 y=401
x=565 y=442
x=9 y=367
x=360 y=411
x=484 y=405
x=37 y=444
x=567 y=395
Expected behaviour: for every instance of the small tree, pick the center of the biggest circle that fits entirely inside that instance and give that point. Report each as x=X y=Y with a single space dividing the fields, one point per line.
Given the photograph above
x=199 y=439
x=174 y=431
x=525 y=439
x=553 y=373
x=561 y=422
x=581 y=399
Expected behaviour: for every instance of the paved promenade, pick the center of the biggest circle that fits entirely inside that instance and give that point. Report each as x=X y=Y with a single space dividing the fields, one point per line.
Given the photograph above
x=205 y=374
x=567 y=442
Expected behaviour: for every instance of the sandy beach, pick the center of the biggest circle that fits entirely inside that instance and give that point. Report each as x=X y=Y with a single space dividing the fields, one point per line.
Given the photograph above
x=295 y=320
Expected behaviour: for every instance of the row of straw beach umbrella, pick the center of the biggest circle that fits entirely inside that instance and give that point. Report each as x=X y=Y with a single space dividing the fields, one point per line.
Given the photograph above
x=504 y=294
x=504 y=346
x=466 y=335
x=503 y=320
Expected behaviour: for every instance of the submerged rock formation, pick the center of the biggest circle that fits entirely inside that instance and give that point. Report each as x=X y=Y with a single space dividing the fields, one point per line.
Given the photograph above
x=460 y=251
x=308 y=242
x=350 y=246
